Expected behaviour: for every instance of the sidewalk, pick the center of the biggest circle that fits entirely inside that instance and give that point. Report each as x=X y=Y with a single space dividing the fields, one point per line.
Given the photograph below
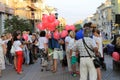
x=33 y=72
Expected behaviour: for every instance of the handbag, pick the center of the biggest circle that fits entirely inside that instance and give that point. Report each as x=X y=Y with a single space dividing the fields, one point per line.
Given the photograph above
x=12 y=50
x=96 y=61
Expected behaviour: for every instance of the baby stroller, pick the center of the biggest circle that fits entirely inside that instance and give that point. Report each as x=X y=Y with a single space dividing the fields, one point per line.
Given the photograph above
x=43 y=59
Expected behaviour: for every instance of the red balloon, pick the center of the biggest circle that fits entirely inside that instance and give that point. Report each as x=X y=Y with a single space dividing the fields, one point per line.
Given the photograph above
x=45 y=24
x=64 y=33
x=25 y=36
x=72 y=27
x=40 y=26
x=67 y=27
x=51 y=27
x=51 y=18
x=116 y=56
x=44 y=17
x=56 y=22
x=56 y=35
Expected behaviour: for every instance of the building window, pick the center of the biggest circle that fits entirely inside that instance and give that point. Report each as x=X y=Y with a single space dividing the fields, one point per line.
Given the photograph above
x=34 y=1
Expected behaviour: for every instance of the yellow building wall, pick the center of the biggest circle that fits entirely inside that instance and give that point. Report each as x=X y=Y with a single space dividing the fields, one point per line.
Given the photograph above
x=119 y=6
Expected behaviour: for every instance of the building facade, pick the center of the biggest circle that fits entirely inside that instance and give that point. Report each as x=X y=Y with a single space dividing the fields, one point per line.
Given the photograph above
x=26 y=9
x=6 y=11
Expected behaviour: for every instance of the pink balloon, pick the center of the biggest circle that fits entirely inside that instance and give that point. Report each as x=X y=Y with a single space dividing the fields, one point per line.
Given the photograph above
x=25 y=36
x=56 y=35
x=51 y=18
x=72 y=27
x=40 y=26
x=56 y=22
x=116 y=56
x=64 y=33
x=51 y=27
x=44 y=17
x=45 y=24
x=67 y=27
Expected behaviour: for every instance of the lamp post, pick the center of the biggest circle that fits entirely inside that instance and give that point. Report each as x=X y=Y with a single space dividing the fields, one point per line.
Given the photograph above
x=56 y=15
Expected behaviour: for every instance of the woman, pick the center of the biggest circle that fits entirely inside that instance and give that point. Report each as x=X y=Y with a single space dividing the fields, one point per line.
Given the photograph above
x=18 y=52
x=2 y=51
x=34 y=46
x=98 y=40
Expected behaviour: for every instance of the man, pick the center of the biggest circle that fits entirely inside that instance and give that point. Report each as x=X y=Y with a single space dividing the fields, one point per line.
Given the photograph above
x=86 y=62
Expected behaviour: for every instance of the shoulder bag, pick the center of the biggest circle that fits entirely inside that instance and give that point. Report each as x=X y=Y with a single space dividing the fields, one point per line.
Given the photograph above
x=12 y=50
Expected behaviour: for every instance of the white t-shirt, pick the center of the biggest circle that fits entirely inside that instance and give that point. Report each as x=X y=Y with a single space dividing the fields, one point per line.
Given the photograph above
x=72 y=45
x=16 y=45
x=99 y=41
x=67 y=39
x=41 y=42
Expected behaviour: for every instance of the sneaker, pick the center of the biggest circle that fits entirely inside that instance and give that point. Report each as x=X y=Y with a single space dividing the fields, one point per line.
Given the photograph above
x=74 y=75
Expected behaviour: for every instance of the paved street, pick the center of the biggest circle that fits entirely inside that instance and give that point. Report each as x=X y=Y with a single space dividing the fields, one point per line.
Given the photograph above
x=33 y=72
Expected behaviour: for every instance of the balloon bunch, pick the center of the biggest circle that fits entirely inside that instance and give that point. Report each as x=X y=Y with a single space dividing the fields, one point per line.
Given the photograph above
x=49 y=22
x=70 y=27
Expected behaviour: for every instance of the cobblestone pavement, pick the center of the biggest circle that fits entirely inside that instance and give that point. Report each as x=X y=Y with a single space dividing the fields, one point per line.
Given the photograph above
x=33 y=72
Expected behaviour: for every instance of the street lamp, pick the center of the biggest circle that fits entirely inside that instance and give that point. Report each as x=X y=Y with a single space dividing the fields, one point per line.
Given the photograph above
x=56 y=15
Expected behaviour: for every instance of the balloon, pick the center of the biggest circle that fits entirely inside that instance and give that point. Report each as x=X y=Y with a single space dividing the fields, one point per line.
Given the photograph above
x=67 y=27
x=72 y=27
x=79 y=34
x=45 y=24
x=56 y=22
x=40 y=26
x=25 y=36
x=64 y=33
x=44 y=17
x=51 y=27
x=56 y=35
x=51 y=18
x=116 y=56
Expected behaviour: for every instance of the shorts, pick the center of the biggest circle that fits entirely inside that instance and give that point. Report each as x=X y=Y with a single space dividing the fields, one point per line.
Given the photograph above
x=58 y=54
x=73 y=60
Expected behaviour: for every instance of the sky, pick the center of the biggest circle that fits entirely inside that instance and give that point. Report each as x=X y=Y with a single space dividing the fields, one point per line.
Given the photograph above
x=75 y=10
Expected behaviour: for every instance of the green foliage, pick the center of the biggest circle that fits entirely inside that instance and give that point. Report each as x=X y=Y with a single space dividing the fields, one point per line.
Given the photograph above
x=16 y=23
x=78 y=26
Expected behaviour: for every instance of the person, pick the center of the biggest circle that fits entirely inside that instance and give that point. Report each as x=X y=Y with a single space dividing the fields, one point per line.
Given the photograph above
x=98 y=40
x=26 y=51
x=18 y=52
x=34 y=46
x=9 y=45
x=86 y=62
x=67 y=40
x=57 y=52
x=73 y=57
x=43 y=49
x=2 y=61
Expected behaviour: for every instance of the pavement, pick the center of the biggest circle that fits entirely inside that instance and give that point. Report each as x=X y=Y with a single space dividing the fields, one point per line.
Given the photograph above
x=33 y=72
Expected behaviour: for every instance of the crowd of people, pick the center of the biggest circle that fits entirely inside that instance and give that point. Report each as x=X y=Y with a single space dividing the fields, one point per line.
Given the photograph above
x=70 y=51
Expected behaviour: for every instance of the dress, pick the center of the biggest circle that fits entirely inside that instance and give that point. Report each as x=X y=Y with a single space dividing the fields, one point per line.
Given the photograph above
x=2 y=61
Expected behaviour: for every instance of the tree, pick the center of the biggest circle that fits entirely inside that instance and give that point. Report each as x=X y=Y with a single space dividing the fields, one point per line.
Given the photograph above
x=16 y=23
